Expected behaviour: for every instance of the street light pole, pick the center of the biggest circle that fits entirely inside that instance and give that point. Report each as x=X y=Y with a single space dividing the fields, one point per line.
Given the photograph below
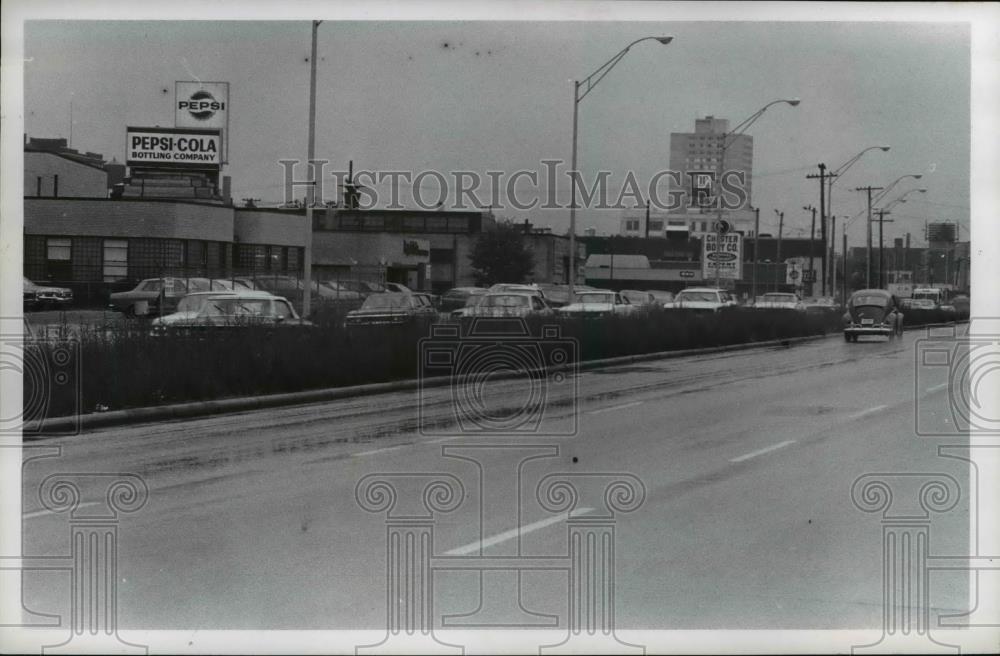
x=756 y=252
x=311 y=189
x=781 y=226
x=723 y=146
x=587 y=85
x=868 y=235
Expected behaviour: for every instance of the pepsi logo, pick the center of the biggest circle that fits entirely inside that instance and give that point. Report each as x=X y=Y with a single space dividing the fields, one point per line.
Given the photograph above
x=201 y=105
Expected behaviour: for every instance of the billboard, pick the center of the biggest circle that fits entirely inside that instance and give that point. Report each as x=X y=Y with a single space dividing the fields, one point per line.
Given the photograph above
x=173 y=148
x=203 y=105
x=722 y=256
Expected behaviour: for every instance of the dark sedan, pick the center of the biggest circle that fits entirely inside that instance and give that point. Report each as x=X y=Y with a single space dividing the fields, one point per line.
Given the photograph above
x=391 y=309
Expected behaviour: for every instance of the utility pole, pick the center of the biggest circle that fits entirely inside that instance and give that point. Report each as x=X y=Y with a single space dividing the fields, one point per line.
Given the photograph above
x=756 y=252
x=881 y=245
x=868 y=236
x=781 y=225
x=833 y=253
x=843 y=272
x=812 y=236
x=647 y=219
x=311 y=189
x=823 y=178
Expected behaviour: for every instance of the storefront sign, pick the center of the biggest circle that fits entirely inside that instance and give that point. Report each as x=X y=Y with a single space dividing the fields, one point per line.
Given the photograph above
x=203 y=105
x=722 y=256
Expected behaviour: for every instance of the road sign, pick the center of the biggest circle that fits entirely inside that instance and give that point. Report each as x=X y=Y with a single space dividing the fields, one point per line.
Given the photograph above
x=722 y=256
x=722 y=226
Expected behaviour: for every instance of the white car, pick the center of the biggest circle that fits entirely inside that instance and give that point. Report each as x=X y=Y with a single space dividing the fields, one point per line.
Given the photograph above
x=598 y=304
x=508 y=304
x=233 y=309
x=702 y=299
x=189 y=306
x=779 y=301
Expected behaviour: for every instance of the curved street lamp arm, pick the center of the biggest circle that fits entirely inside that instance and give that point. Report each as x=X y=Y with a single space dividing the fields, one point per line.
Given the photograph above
x=588 y=83
x=750 y=120
x=885 y=192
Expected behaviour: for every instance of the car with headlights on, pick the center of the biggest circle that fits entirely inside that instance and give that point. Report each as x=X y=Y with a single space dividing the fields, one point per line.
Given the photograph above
x=600 y=303
x=872 y=312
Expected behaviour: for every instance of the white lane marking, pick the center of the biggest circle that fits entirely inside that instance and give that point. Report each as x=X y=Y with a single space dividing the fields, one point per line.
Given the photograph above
x=760 y=452
x=614 y=407
x=360 y=454
x=42 y=513
x=937 y=387
x=858 y=415
x=514 y=532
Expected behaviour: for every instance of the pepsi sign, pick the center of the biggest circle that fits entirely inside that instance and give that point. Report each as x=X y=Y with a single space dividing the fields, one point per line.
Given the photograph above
x=201 y=105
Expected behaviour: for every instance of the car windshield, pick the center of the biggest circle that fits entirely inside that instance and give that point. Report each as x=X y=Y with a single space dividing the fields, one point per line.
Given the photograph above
x=505 y=301
x=699 y=297
x=387 y=302
x=237 y=307
x=876 y=300
x=474 y=300
x=591 y=297
x=193 y=303
x=780 y=298
x=636 y=297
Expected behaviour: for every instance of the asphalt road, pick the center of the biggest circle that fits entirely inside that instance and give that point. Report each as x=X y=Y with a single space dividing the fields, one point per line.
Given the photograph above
x=747 y=460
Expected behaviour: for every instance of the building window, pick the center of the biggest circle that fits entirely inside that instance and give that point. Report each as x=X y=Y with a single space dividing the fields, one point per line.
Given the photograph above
x=59 y=255
x=115 y=259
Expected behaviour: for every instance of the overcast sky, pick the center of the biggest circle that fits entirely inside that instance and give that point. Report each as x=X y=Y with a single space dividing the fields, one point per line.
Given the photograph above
x=483 y=96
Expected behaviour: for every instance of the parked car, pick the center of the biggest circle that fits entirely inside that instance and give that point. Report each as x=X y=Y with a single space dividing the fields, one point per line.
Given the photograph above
x=961 y=304
x=44 y=297
x=509 y=304
x=455 y=298
x=292 y=288
x=231 y=310
x=703 y=299
x=397 y=288
x=597 y=304
x=823 y=306
x=152 y=291
x=234 y=310
x=432 y=300
x=390 y=308
x=471 y=302
x=363 y=287
x=640 y=298
x=778 y=301
x=189 y=306
x=872 y=312
x=663 y=298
